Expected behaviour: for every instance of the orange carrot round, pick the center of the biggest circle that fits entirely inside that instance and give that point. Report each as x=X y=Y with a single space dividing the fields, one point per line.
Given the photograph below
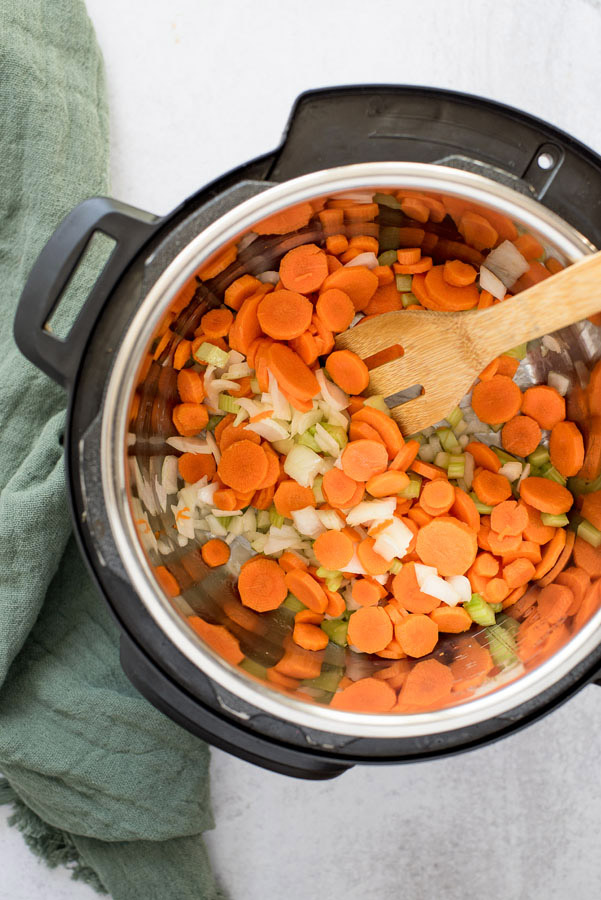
x=361 y=460
x=306 y=589
x=194 y=466
x=495 y=590
x=448 y=297
x=447 y=544
x=508 y=518
x=333 y=549
x=437 y=497
x=370 y=629
x=464 y=508
x=243 y=466
x=578 y=582
x=215 y=552
x=190 y=418
x=232 y=434
x=190 y=386
x=551 y=553
x=309 y=636
x=535 y=530
x=167 y=581
x=262 y=584
x=387 y=483
x=566 y=448
x=284 y=314
x=458 y=273
x=519 y=572
x=521 y=435
x=417 y=634
x=554 y=601
x=368 y=695
x=544 y=404
x=291 y=373
x=335 y=309
x=491 y=488
x=496 y=401
x=291 y=496
x=587 y=557
x=428 y=683
x=365 y=592
x=304 y=269
x=358 y=282
x=545 y=495
x=372 y=562
x=406 y=590
x=405 y=457
x=386 y=427
x=225 y=498
x=219 y=638
x=562 y=560
x=216 y=323
x=484 y=456
x=348 y=371
x=451 y=619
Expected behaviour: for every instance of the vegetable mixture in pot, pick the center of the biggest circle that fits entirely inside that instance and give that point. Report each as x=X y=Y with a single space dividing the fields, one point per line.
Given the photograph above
x=486 y=528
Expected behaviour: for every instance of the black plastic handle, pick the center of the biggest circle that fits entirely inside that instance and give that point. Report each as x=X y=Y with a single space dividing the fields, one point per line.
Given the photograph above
x=196 y=718
x=53 y=269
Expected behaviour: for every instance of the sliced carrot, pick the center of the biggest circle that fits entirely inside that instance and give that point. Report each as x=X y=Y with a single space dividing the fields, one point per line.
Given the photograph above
x=415 y=208
x=289 y=560
x=507 y=365
x=485 y=301
x=553 y=265
x=459 y=274
x=562 y=561
x=491 y=369
x=216 y=323
x=309 y=636
x=484 y=534
x=291 y=373
x=336 y=243
x=182 y=355
x=304 y=268
x=363 y=459
x=419 y=516
x=386 y=298
x=335 y=309
x=447 y=296
x=554 y=601
x=333 y=264
x=589 y=605
x=358 y=282
x=194 y=466
x=477 y=231
x=416 y=268
x=529 y=247
x=306 y=589
x=587 y=557
x=246 y=328
x=508 y=518
x=526 y=550
x=484 y=456
x=428 y=683
x=393 y=650
x=409 y=236
x=338 y=488
x=448 y=544
x=514 y=595
x=536 y=273
x=189 y=418
x=372 y=562
x=545 y=495
x=286 y=220
x=239 y=290
x=219 y=638
x=406 y=591
x=232 y=434
x=291 y=496
x=262 y=498
x=591 y=468
x=365 y=592
x=501 y=546
x=486 y=565
x=544 y=404
x=225 y=498
x=464 y=509
x=417 y=634
x=273 y=468
x=333 y=549
x=243 y=388
x=451 y=619
x=357 y=496
x=370 y=629
x=524 y=604
x=591 y=508
x=167 y=581
x=368 y=695
x=578 y=582
x=284 y=314
x=405 y=457
x=243 y=466
x=437 y=497
x=521 y=435
x=408 y=255
x=221 y=426
x=306 y=347
x=551 y=553
x=535 y=530
x=518 y=573
x=496 y=401
x=491 y=488
x=496 y=590
x=218 y=263
x=262 y=584
x=566 y=448
x=387 y=483
x=215 y=552
x=296 y=663
x=336 y=603
x=348 y=371
x=386 y=427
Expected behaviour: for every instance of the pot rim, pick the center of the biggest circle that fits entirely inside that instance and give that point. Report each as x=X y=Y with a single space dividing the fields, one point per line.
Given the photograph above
x=565 y=239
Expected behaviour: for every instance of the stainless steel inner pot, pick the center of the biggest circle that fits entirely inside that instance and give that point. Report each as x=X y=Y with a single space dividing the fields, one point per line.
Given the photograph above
x=207 y=592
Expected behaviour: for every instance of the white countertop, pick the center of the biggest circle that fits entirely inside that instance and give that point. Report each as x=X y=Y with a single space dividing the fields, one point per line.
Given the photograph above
x=195 y=89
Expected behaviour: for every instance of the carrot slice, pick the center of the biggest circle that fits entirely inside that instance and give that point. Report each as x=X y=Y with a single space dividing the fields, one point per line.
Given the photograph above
x=363 y=459
x=508 y=518
x=406 y=590
x=348 y=371
x=544 y=404
x=562 y=561
x=262 y=584
x=491 y=488
x=587 y=557
x=239 y=290
x=386 y=427
x=246 y=328
x=518 y=573
x=591 y=508
x=484 y=456
x=387 y=483
x=458 y=274
x=219 y=638
x=535 y=530
x=529 y=247
x=306 y=589
x=368 y=695
x=232 y=434
x=464 y=509
x=496 y=590
x=428 y=683
x=566 y=448
x=189 y=418
x=285 y=314
x=304 y=268
x=289 y=560
x=507 y=365
x=527 y=550
x=286 y=220
x=370 y=629
x=335 y=309
x=336 y=603
x=521 y=435
x=243 y=466
x=387 y=298
x=448 y=544
x=216 y=323
x=417 y=634
x=551 y=553
x=437 y=497
x=194 y=466
x=446 y=295
x=291 y=496
x=309 y=636
x=554 y=601
x=167 y=581
x=405 y=457
x=306 y=347
x=358 y=282
x=333 y=549
x=372 y=562
x=578 y=582
x=591 y=468
x=190 y=386
x=296 y=663
x=451 y=619
x=291 y=373
x=225 y=498
x=338 y=488
x=545 y=495
x=501 y=546
x=365 y=592
x=477 y=231
x=496 y=401
x=486 y=565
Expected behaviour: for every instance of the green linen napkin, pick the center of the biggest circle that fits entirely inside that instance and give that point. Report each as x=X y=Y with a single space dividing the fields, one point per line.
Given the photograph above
x=99 y=779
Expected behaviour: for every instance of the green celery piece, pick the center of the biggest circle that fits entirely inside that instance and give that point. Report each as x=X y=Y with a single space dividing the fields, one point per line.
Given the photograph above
x=386 y=200
x=293 y=604
x=333 y=584
x=336 y=630
x=482 y=508
x=307 y=440
x=539 y=457
x=388 y=258
x=520 y=352
x=504 y=456
x=327 y=680
x=455 y=417
x=403 y=283
x=479 y=610
x=589 y=533
x=212 y=355
x=555 y=521
x=389 y=238
x=501 y=645
x=337 y=432
x=275 y=518
x=377 y=402
x=228 y=404
x=213 y=422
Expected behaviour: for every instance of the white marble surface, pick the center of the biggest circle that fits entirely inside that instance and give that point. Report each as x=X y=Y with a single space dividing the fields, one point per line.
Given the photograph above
x=195 y=89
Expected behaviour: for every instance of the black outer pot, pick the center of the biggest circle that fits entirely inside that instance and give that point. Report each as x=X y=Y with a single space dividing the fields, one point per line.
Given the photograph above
x=326 y=128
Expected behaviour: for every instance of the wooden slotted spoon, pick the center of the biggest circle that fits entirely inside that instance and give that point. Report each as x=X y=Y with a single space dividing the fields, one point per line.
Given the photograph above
x=444 y=352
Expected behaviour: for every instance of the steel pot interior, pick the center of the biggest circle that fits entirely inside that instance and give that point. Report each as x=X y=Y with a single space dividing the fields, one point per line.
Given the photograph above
x=138 y=422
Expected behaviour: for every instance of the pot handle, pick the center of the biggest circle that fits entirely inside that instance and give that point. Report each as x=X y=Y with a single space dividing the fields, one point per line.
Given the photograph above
x=53 y=270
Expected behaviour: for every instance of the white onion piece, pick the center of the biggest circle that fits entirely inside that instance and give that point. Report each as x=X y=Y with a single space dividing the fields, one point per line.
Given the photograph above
x=238 y=370
x=330 y=519
x=338 y=462
x=356 y=319
x=189 y=444
x=560 y=382
x=331 y=393
x=426 y=453
x=325 y=441
x=372 y=510
x=302 y=421
x=160 y=493
x=225 y=513
x=437 y=587
x=369 y=260
x=354 y=566
x=507 y=263
x=241 y=417
x=251 y=406
x=468 y=470
x=169 y=474
x=206 y=493
x=284 y=446
x=281 y=407
x=524 y=474
x=327 y=463
x=183 y=518
x=268 y=429
x=393 y=541
x=130 y=439
x=279 y=539
x=269 y=277
x=308 y=522
x=511 y=470
x=214 y=448
x=462 y=587
x=422 y=572
x=302 y=464
x=489 y=282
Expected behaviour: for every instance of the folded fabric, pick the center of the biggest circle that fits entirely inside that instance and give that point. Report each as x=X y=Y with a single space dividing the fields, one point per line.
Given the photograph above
x=99 y=779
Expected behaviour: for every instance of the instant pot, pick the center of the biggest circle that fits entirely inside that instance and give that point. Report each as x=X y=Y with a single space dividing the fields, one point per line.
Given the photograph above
x=344 y=142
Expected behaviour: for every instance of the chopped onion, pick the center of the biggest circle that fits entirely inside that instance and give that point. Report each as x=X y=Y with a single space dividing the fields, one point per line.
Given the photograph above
x=330 y=519
x=279 y=539
x=241 y=416
x=281 y=407
x=423 y=572
x=284 y=446
x=334 y=416
x=468 y=470
x=301 y=421
x=238 y=370
x=225 y=513
x=369 y=260
x=437 y=587
x=511 y=470
x=524 y=474
x=325 y=441
x=205 y=494
x=302 y=464
x=189 y=444
x=489 y=282
x=269 y=277
x=394 y=540
x=327 y=463
x=426 y=453
x=371 y=510
x=214 y=448
x=160 y=493
x=507 y=263
x=249 y=520
x=461 y=586
x=308 y=522
x=560 y=382
x=183 y=517
x=169 y=474
x=268 y=429
x=356 y=319
x=331 y=393
x=252 y=407
x=130 y=439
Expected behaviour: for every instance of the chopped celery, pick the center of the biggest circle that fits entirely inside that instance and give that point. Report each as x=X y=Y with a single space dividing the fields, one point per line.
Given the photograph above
x=322 y=572
x=589 y=533
x=389 y=238
x=307 y=440
x=539 y=457
x=377 y=402
x=213 y=422
x=333 y=584
x=228 y=404
x=482 y=508
x=338 y=433
x=504 y=456
x=411 y=491
x=212 y=355
x=387 y=258
x=293 y=604
x=326 y=681
x=253 y=668
x=395 y=567
x=460 y=429
x=409 y=299
x=387 y=200
x=317 y=491
x=550 y=472
x=519 y=352
x=501 y=645
x=275 y=518
x=455 y=417
x=578 y=486
x=225 y=521
x=263 y=520
x=254 y=386
x=442 y=459
x=555 y=521
x=456 y=467
x=403 y=282
x=336 y=630
x=479 y=610
x=447 y=439
x=496 y=607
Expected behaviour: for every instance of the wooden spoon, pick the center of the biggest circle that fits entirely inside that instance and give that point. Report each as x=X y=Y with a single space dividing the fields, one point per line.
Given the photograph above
x=444 y=352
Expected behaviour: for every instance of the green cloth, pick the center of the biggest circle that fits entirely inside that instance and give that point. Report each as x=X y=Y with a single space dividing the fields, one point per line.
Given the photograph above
x=98 y=778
